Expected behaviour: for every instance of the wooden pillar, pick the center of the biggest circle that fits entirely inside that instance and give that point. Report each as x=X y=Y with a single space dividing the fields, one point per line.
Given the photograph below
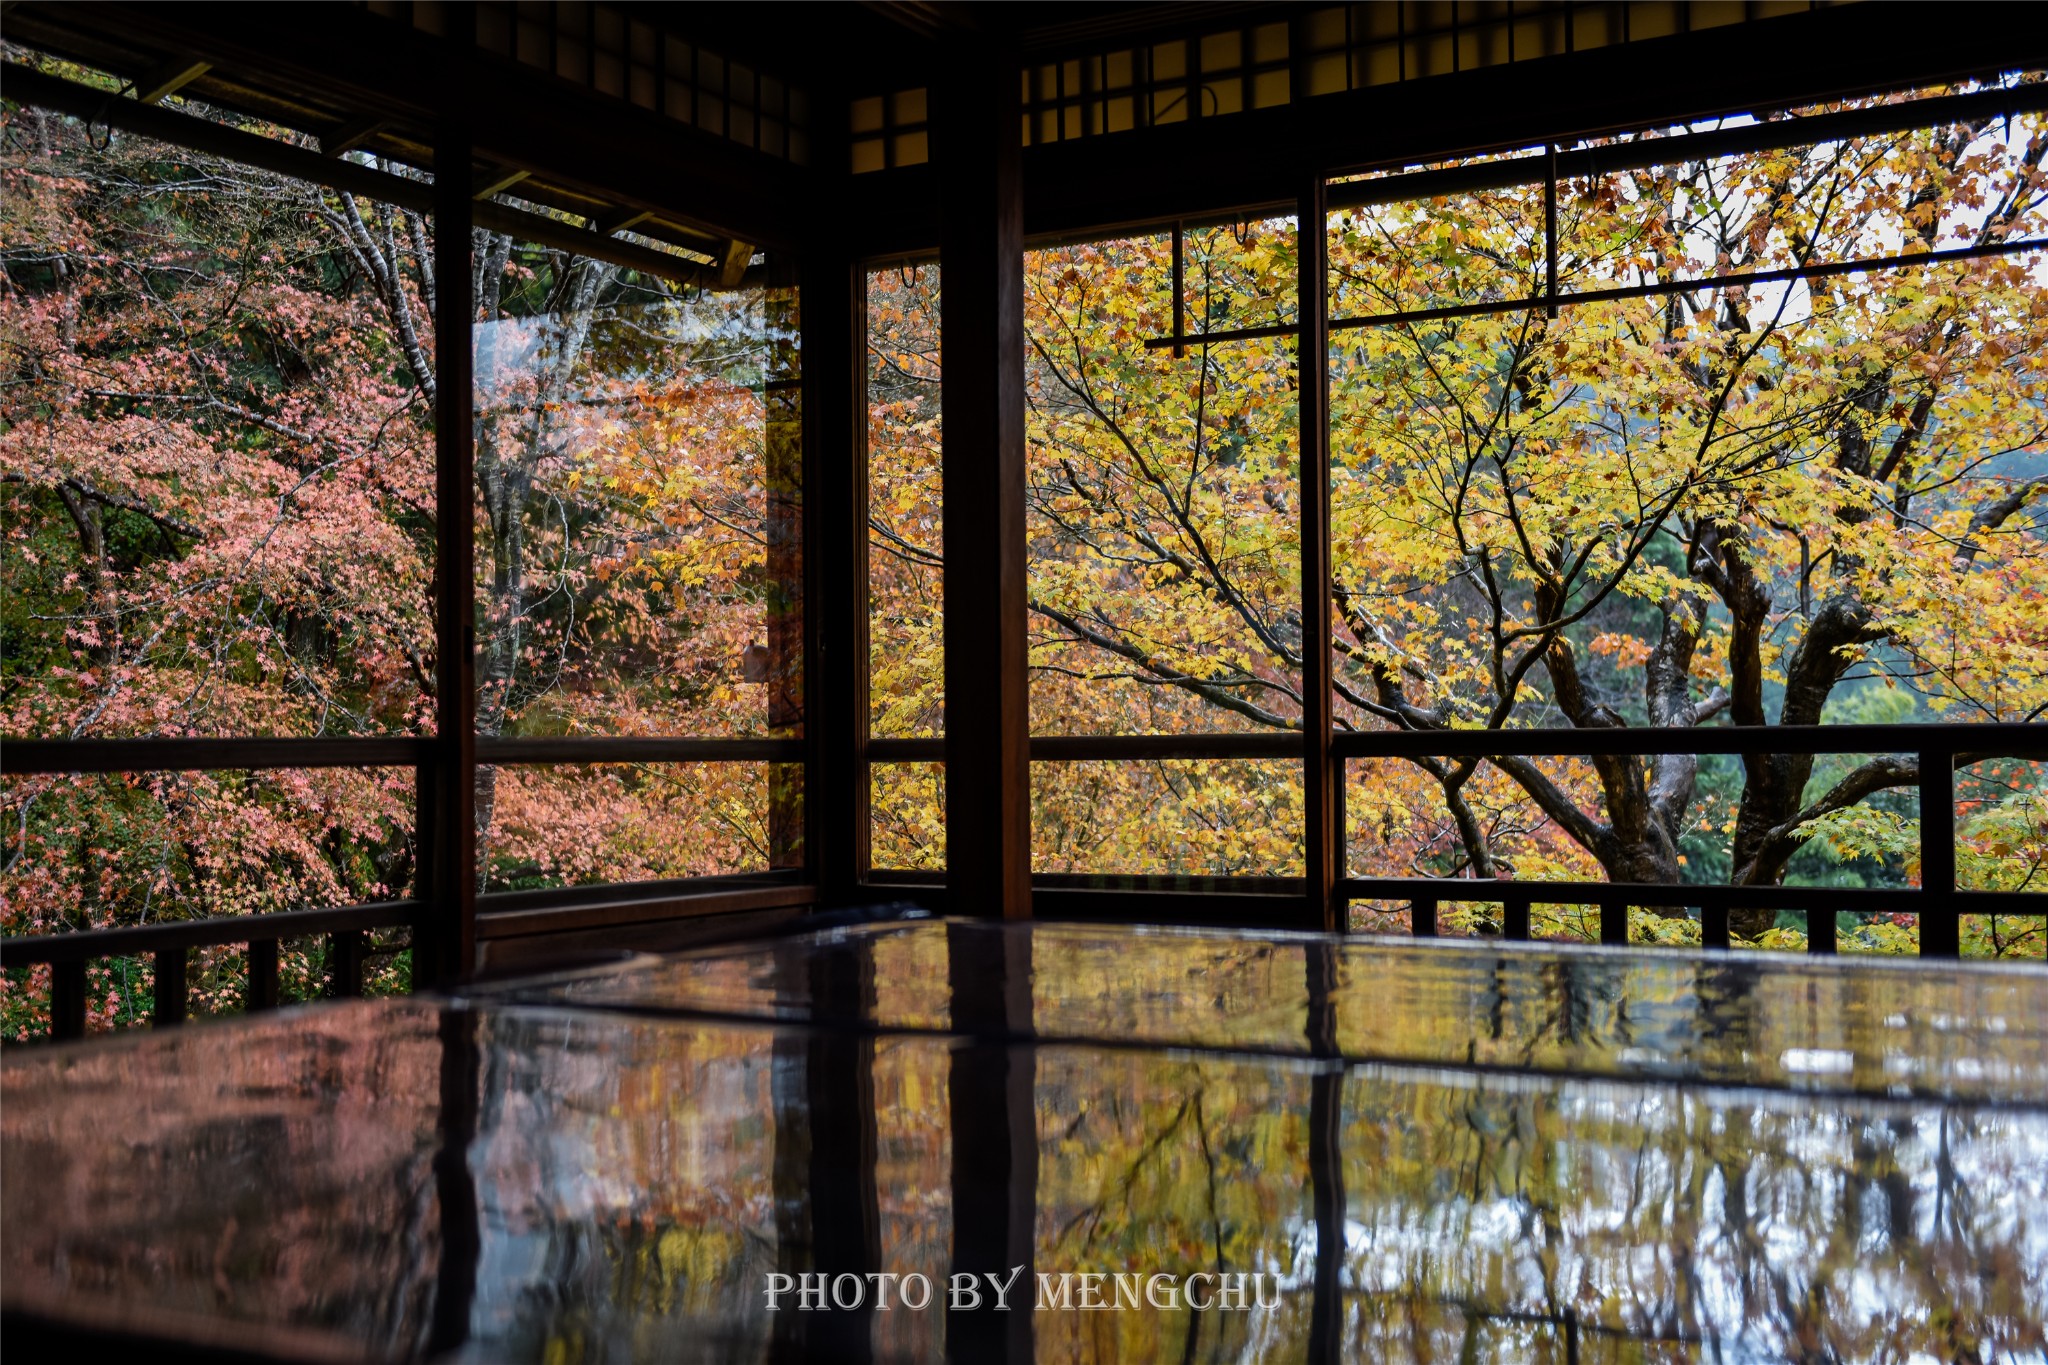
x=981 y=260
x=444 y=940
x=835 y=472
x=1322 y=803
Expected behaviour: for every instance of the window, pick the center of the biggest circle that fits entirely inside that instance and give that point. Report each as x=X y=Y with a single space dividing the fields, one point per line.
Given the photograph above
x=1165 y=566
x=906 y=606
x=639 y=567
x=223 y=555
x=218 y=445
x=216 y=479
x=1739 y=442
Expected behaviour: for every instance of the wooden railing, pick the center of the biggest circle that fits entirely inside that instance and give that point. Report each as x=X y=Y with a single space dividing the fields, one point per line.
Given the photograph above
x=171 y=946
x=1940 y=750
x=172 y=943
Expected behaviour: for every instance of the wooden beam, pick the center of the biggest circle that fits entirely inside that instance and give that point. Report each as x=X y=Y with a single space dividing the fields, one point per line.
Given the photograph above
x=618 y=220
x=1221 y=166
x=24 y=756
x=351 y=133
x=499 y=924
x=788 y=686
x=981 y=261
x=732 y=264
x=352 y=59
x=492 y=181
x=555 y=951
x=169 y=78
x=33 y=87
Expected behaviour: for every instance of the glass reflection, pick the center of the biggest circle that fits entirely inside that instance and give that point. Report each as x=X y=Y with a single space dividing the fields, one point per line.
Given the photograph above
x=1584 y=1155
x=1883 y=1028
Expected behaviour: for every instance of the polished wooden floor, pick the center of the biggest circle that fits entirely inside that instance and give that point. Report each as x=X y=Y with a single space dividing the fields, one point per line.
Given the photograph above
x=1419 y=1151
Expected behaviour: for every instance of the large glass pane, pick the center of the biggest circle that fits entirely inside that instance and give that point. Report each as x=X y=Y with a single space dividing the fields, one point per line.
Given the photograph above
x=1927 y=189
x=905 y=565
x=2001 y=824
x=1163 y=506
x=906 y=608
x=216 y=454
x=1202 y=817
x=579 y=824
x=1798 y=503
x=1164 y=547
x=908 y=814
x=638 y=470
x=639 y=562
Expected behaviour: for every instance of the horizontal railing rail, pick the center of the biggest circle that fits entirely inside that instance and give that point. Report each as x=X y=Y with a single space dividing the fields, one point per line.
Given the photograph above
x=1938 y=749
x=25 y=757
x=171 y=945
x=2002 y=740
x=905 y=750
x=1284 y=744
x=1994 y=740
x=630 y=749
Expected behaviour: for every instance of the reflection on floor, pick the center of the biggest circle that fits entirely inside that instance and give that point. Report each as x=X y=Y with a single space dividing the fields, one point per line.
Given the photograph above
x=1543 y=1154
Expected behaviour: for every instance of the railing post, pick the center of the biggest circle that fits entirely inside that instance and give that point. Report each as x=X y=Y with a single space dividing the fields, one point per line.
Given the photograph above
x=261 y=993
x=170 y=987
x=1514 y=918
x=1820 y=931
x=67 y=1000
x=345 y=964
x=1422 y=918
x=1714 y=927
x=1940 y=926
x=1614 y=921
